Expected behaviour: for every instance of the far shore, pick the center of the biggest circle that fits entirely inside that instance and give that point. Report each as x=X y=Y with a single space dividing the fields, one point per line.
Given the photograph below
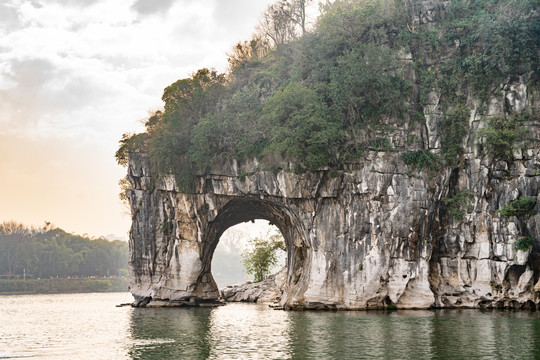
x=63 y=285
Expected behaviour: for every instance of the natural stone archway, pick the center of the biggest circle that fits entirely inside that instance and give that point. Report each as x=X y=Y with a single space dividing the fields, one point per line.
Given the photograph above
x=248 y=209
x=228 y=268
x=363 y=237
x=350 y=245
x=371 y=233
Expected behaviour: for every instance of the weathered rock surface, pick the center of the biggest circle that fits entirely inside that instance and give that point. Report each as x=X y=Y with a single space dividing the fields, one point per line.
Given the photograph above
x=357 y=238
x=373 y=233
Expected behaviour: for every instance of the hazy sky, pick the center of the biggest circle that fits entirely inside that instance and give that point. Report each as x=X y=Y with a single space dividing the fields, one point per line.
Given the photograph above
x=77 y=74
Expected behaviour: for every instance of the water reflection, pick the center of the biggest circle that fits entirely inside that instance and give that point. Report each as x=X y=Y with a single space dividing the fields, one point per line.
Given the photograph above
x=476 y=334
x=246 y=331
x=170 y=333
x=89 y=326
x=380 y=335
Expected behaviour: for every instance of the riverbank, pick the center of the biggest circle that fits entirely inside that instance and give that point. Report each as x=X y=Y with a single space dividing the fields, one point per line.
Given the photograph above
x=62 y=286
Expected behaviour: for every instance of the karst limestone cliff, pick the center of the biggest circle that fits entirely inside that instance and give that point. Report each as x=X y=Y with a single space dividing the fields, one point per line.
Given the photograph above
x=376 y=232
x=371 y=234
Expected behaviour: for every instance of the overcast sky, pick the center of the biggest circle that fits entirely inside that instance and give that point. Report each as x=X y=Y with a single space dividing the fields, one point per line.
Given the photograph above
x=77 y=74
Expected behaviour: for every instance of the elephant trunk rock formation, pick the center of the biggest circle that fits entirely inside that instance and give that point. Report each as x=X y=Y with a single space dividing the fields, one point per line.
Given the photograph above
x=382 y=230
x=372 y=234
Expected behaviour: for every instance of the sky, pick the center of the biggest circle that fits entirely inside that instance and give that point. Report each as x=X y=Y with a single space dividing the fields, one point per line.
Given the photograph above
x=77 y=74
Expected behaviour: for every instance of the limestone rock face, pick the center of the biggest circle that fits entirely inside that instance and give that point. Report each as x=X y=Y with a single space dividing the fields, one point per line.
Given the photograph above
x=357 y=238
x=374 y=233
x=371 y=234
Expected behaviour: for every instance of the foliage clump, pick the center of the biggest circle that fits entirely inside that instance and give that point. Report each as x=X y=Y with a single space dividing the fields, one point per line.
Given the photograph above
x=262 y=256
x=319 y=97
x=524 y=206
x=458 y=204
x=503 y=133
x=454 y=129
x=421 y=159
x=524 y=243
x=493 y=39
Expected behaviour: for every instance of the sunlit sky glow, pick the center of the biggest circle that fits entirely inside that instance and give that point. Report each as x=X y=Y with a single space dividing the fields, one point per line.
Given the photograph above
x=77 y=74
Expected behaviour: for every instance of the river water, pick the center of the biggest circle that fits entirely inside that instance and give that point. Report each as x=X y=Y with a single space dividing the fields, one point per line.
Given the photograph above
x=90 y=326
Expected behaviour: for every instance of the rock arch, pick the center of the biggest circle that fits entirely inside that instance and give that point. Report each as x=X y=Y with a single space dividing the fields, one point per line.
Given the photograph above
x=369 y=235
x=352 y=242
x=243 y=209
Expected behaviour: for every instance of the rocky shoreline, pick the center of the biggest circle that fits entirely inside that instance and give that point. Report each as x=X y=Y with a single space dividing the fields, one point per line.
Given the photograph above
x=268 y=291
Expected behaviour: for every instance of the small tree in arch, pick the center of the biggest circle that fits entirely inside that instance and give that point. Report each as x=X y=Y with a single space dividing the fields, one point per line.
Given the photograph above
x=262 y=255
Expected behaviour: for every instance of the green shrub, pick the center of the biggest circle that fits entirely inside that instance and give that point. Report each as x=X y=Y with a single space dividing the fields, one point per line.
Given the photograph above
x=458 y=204
x=523 y=206
x=262 y=255
x=232 y=132
x=503 y=133
x=300 y=127
x=167 y=227
x=131 y=143
x=524 y=243
x=496 y=39
x=421 y=159
x=367 y=84
x=243 y=176
x=455 y=126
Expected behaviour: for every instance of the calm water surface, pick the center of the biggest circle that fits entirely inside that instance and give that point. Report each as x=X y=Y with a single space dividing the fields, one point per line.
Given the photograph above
x=89 y=326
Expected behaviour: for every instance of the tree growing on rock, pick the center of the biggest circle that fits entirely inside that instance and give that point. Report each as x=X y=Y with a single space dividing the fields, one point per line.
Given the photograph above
x=284 y=21
x=295 y=10
x=262 y=255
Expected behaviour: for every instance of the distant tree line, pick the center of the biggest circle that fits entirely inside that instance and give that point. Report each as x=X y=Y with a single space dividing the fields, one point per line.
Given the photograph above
x=50 y=252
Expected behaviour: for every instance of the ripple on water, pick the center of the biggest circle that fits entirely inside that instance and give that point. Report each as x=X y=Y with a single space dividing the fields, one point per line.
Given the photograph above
x=89 y=326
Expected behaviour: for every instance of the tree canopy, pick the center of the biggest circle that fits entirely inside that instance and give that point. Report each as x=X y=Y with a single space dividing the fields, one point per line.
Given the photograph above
x=262 y=255
x=319 y=97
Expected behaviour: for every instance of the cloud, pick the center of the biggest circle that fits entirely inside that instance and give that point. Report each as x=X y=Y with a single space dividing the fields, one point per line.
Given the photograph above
x=9 y=17
x=42 y=92
x=77 y=3
x=230 y=19
x=31 y=73
x=150 y=7
x=75 y=75
x=20 y=103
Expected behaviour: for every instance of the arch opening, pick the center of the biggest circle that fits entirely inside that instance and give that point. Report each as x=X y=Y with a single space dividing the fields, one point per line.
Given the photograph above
x=248 y=209
x=228 y=259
